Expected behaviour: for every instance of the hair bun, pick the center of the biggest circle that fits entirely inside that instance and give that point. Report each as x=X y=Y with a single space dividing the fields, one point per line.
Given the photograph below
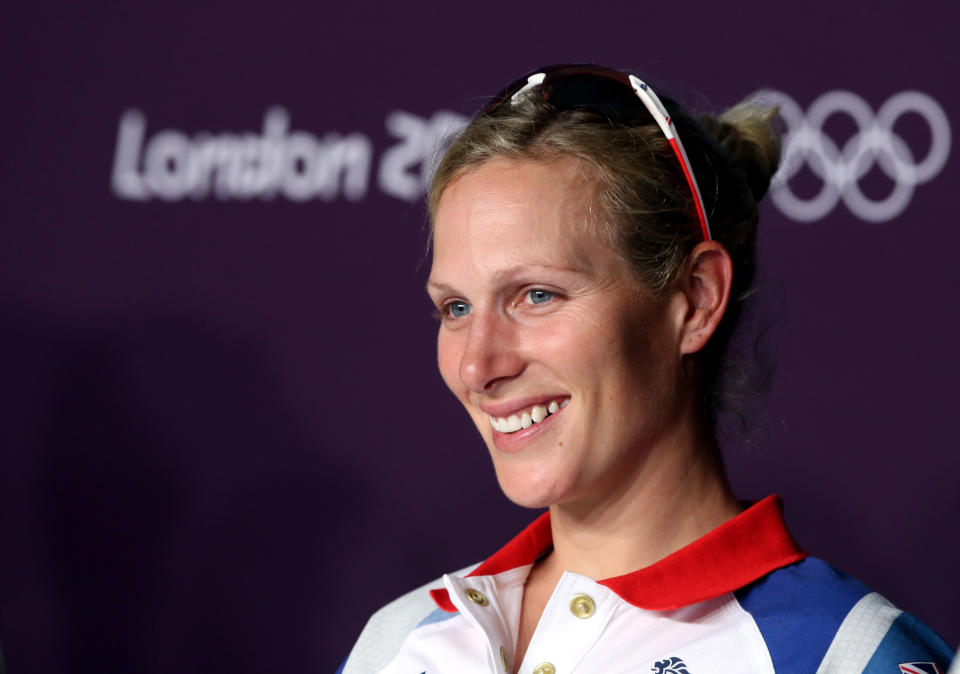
x=750 y=134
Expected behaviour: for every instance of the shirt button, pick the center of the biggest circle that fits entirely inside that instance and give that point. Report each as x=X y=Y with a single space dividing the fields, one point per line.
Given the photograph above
x=582 y=606
x=545 y=668
x=477 y=597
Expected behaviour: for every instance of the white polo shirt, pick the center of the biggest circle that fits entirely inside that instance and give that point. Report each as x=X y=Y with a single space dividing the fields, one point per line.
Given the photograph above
x=743 y=598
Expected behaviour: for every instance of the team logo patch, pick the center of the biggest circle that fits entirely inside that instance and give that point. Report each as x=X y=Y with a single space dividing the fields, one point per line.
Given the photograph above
x=919 y=668
x=675 y=666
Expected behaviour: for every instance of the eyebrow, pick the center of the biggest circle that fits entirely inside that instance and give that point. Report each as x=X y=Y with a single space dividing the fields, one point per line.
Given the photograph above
x=510 y=273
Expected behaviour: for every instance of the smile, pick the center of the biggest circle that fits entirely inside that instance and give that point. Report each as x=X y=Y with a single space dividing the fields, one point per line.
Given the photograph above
x=527 y=418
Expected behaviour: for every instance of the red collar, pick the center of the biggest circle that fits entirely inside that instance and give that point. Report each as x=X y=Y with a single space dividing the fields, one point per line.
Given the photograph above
x=736 y=553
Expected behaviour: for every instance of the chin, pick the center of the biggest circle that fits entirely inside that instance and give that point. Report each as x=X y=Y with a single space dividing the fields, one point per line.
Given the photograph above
x=526 y=490
x=527 y=500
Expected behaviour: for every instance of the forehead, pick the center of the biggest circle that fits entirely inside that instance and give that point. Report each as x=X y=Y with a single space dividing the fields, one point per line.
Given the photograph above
x=518 y=212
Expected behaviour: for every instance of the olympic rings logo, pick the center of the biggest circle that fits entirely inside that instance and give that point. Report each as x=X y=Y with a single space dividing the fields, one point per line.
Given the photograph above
x=841 y=168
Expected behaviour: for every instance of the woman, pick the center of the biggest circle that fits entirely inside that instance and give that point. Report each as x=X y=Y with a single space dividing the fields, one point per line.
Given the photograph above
x=591 y=249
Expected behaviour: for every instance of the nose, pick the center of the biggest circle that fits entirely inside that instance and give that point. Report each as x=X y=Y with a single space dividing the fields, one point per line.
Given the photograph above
x=491 y=353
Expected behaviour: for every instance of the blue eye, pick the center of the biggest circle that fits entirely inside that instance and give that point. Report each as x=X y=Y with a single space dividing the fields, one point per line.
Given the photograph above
x=457 y=309
x=540 y=296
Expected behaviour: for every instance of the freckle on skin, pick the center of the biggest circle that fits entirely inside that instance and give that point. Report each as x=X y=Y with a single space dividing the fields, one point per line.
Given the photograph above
x=560 y=444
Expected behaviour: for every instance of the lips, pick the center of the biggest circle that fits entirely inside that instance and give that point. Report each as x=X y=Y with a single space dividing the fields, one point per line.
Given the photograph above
x=526 y=417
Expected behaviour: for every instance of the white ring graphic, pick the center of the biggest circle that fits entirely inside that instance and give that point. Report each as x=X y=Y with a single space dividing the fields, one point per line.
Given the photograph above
x=874 y=143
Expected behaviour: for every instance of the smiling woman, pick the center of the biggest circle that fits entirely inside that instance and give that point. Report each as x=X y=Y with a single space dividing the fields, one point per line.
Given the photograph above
x=539 y=312
x=592 y=248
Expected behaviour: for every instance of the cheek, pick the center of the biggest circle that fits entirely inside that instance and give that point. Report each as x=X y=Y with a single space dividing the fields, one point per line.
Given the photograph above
x=651 y=363
x=608 y=348
x=578 y=344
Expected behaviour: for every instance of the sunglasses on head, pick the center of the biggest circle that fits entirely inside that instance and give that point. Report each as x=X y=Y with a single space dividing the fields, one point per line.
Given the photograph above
x=611 y=93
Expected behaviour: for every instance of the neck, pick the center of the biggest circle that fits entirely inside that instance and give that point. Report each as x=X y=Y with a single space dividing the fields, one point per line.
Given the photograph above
x=677 y=494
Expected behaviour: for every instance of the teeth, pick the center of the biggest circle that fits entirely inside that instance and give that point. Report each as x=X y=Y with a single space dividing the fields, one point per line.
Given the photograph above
x=538 y=413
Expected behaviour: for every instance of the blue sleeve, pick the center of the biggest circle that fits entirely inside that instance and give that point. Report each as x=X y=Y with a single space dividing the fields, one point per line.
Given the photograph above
x=798 y=610
x=911 y=643
x=815 y=618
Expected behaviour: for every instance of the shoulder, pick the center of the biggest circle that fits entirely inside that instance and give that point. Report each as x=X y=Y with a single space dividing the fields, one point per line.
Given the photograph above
x=386 y=629
x=815 y=618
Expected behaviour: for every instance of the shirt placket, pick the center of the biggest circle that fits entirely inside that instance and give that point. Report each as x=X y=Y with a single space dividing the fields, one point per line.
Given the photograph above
x=571 y=624
x=494 y=610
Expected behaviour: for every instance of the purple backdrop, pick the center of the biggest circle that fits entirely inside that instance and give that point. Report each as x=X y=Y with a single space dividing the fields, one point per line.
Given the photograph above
x=224 y=439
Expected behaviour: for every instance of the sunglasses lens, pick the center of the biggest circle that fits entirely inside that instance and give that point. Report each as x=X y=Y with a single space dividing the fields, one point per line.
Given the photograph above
x=603 y=95
x=610 y=94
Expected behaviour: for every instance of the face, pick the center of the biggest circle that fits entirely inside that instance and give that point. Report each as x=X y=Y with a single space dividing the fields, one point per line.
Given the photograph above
x=569 y=369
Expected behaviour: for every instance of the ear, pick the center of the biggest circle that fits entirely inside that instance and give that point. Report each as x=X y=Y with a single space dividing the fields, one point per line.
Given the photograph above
x=703 y=289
